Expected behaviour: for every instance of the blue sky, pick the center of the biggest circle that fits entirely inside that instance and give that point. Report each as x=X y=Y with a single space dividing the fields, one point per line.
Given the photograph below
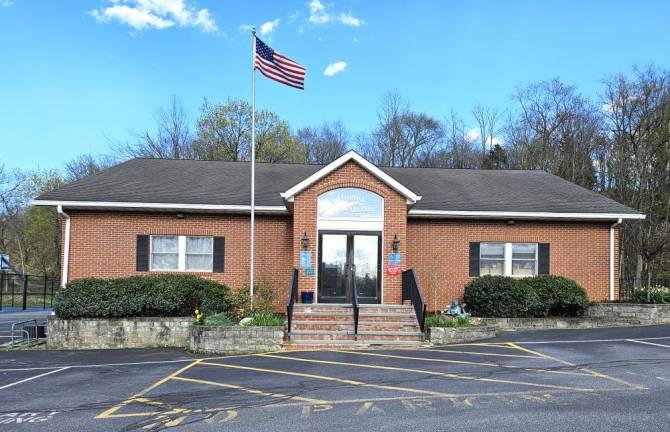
x=77 y=75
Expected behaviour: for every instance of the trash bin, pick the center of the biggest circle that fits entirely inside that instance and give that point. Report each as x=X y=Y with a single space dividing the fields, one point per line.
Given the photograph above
x=307 y=297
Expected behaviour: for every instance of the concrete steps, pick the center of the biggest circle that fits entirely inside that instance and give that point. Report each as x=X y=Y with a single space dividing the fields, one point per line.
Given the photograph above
x=327 y=326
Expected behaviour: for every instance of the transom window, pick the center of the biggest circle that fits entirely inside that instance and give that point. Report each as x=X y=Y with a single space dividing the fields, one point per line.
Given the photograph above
x=182 y=253
x=508 y=259
x=350 y=209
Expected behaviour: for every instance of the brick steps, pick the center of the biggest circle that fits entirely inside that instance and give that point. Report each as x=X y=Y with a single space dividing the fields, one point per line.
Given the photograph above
x=332 y=326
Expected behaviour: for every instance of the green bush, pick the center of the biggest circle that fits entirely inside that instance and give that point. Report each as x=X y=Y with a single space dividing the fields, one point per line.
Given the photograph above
x=558 y=296
x=154 y=295
x=264 y=297
x=220 y=319
x=439 y=320
x=655 y=295
x=266 y=319
x=501 y=297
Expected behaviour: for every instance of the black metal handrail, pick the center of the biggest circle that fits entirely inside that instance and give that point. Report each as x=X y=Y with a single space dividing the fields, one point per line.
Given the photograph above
x=354 y=300
x=412 y=292
x=292 y=296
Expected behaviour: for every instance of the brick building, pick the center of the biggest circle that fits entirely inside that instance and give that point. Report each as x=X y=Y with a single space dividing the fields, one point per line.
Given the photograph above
x=345 y=224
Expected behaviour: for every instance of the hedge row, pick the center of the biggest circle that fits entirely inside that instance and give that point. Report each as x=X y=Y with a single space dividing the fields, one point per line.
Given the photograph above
x=155 y=295
x=539 y=296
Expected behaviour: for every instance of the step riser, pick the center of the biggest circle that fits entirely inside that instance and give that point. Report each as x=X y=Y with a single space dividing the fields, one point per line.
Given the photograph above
x=350 y=327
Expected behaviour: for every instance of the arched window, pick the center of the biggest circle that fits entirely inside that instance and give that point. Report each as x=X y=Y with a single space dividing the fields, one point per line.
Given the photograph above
x=340 y=208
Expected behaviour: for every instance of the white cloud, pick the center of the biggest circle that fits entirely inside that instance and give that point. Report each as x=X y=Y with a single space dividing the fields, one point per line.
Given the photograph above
x=350 y=20
x=472 y=134
x=245 y=27
x=335 y=68
x=6 y=3
x=158 y=14
x=355 y=40
x=268 y=27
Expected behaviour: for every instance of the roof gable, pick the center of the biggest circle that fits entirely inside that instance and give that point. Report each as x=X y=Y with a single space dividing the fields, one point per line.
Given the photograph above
x=351 y=155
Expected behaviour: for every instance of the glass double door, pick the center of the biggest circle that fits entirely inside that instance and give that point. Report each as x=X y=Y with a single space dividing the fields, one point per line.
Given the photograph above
x=348 y=261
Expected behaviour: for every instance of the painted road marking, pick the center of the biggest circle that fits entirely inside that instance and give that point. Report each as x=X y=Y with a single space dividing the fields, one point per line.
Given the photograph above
x=590 y=371
x=32 y=378
x=433 y=373
x=586 y=341
x=648 y=343
x=474 y=353
x=540 y=370
x=250 y=390
x=329 y=378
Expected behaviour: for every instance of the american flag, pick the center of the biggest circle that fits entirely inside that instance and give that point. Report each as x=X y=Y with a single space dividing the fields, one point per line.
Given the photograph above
x=277 y=67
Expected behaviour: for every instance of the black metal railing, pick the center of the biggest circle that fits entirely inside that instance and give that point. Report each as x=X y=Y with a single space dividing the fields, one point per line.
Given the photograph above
x=25 y=292
x=412 y=292
x=354 y=301
x=628 y=286
x=292 y=296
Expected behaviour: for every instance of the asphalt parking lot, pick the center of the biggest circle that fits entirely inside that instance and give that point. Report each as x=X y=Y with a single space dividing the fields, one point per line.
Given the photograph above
x=607 y=379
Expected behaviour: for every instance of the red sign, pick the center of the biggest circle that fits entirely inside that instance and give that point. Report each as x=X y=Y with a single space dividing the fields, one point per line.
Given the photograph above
x=393 y=270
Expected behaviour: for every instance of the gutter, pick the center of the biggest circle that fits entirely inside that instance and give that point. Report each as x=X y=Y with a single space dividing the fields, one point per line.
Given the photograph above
x=66 y=246
x=614 y=225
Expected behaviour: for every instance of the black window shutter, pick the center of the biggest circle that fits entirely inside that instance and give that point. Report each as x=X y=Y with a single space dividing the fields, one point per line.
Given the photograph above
x=474 y=259
x=219 y=254
x=142 y=253
x=543 y=258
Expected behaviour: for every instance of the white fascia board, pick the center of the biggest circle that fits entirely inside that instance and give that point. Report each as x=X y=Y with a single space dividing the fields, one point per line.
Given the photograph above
x=159 y=206
x=351 y=156
x=455 y=214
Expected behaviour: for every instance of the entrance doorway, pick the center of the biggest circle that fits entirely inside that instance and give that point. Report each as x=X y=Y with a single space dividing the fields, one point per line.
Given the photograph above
x=348 y=260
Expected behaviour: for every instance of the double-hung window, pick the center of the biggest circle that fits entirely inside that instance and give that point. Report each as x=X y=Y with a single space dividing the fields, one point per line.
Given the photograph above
x=182 y=253
x=508 y=259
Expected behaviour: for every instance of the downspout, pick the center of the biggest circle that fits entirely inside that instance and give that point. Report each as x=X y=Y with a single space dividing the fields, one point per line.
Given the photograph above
x=614 y=225
x=66 y=246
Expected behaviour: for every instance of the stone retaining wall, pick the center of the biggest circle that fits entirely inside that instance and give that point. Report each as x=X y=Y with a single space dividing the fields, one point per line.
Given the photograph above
x=235 y=340
x=104 y=333
x=553 y=323
x=645 y=313
x=451 y=335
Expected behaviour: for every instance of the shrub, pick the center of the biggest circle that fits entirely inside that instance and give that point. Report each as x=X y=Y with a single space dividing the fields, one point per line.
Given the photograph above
x=264 y=297
x=266 y=319
x=439 y=320
x=558 y=296
x=499 y=297
x=655 y=295
x=154 y=295
x=220 y=319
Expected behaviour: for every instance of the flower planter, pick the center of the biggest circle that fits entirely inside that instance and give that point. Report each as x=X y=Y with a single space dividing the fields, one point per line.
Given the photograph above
x=451 y=335
x=235 y=339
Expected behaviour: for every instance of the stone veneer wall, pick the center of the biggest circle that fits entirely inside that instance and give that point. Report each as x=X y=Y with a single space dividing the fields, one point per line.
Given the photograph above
x=235 y=340
x=451 y=335
x=104 y=333
x=645 y=313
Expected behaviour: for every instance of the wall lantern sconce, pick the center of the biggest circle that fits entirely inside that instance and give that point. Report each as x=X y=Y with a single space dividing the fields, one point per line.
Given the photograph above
x=395 y=244
x=510 y=222
x=305 y=241
x=180 y=215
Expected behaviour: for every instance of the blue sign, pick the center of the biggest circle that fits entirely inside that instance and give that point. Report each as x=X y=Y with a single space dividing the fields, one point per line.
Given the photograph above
x=4 y=262
x=305 y=259
x=394 y=258
x=309 y=271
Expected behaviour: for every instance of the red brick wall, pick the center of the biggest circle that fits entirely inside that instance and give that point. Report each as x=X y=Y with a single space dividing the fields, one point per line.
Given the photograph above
x=439 y=249
x=395 y=221
x=103 y=245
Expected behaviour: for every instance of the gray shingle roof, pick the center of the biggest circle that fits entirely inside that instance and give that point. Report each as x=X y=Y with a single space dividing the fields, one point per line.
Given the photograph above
x=228 y=183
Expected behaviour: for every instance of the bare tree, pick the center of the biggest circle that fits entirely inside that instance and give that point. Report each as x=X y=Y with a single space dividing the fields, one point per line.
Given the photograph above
x=324 y=143
x=85 y=165
x=488 y=123
x=172 y=138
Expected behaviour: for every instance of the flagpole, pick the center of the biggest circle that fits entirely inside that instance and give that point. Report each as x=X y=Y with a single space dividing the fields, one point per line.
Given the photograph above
x=253 y=163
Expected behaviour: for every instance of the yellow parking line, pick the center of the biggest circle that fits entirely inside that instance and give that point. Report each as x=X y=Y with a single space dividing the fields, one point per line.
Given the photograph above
x=589 y=371
x=441 y=374
x=115 y=408
x=481 y=353
x=250 y=390
x=329 y=378
x=474 y=363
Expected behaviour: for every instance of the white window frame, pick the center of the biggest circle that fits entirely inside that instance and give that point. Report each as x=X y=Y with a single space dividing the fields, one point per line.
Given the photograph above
x=507 y=258
x=181 y=257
